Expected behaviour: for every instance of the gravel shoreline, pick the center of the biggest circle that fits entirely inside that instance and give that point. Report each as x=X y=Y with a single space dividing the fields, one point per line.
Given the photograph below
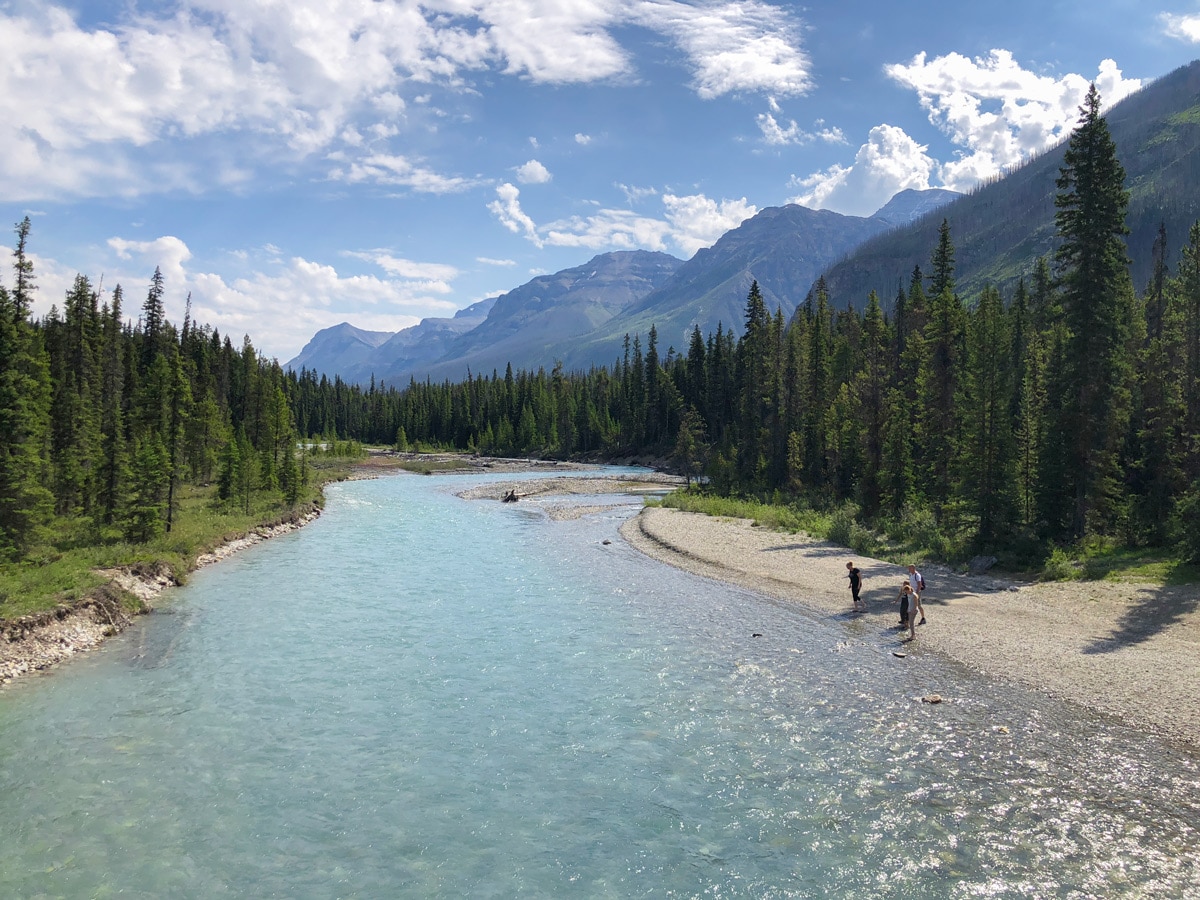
x=1128 y=650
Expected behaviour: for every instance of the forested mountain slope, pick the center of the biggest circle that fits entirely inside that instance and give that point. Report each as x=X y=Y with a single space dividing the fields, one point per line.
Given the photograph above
x=1000 y=229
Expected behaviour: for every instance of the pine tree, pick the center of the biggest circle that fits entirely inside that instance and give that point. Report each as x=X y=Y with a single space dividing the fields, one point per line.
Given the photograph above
x=1097 y=297
x=1187 y=295
x=939 y=377
x=114 y=468
x=145 y=505
x=26 y=504
x=871 y=387
x=753 y=390
x=821 y=393
x=985 y=477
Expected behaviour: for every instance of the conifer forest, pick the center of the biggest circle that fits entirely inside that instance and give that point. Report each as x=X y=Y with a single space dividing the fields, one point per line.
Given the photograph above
x=1067 y=411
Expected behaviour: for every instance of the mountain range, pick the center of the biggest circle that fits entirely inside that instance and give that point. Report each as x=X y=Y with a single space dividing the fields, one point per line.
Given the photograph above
x=580 y=316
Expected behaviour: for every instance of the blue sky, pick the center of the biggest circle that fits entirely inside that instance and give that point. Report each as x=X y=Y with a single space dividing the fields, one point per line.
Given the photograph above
x=294 y=164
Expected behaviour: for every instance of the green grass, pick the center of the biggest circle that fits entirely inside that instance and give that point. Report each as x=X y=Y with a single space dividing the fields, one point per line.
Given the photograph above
x=782 y=518
x=915 y=538
x=1104 y=562
x=63 y=568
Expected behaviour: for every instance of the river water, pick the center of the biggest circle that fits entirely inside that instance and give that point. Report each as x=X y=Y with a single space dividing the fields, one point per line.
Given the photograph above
x=419 y=695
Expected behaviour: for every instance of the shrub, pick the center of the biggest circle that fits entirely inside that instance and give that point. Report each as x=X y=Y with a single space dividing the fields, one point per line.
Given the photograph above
x=841 y=526
x=1061 y=566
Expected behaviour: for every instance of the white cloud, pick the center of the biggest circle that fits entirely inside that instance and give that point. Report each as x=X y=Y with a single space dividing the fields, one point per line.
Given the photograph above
x=889 y=162
x=533 y=172
x=435 y=276
x=734 y=47
x=81 y=108
x=689 y=223
x=1186 y=28
x=301 y=297
x=776 y=134
x=168 y=254
x=583 y=139
x=699 y=222
x=488 y=261
x=998 y=112
x=399 y=171
x=507 y=208
x=609 y=229
x=280 y=302
x=635 y=194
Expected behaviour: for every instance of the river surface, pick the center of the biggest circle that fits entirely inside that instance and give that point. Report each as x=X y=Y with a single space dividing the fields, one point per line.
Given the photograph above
x=423 y=696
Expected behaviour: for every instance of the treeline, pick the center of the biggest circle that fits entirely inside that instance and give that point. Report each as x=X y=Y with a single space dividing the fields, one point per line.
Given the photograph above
x=1066 y=412
x=102 y=422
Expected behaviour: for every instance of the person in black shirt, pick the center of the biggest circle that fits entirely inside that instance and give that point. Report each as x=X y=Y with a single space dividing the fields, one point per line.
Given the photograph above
x=855 y=577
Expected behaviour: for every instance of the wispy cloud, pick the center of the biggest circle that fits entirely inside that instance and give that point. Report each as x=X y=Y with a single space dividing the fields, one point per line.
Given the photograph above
x=688 y=223
x=396 y=170
x=507 y=209
x=779 y=135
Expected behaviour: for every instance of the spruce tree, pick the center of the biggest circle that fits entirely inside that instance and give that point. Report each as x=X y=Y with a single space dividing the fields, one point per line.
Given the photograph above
x=114 y=463
x=985 y=467
x=871 y=386
x=1097 y=298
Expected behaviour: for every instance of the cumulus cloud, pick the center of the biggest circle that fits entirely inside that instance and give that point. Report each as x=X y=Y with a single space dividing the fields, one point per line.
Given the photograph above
x=688 y=223
x=889 y=162
x=169 y=255
x=998 y=112
x=533 y=172
x=1186 y=28
x=698 y=221
x=82 y=108
x=583 y=139
x=297 y=296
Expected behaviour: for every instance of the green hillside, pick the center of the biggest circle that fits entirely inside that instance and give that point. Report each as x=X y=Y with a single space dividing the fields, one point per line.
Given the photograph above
x=1001 y=228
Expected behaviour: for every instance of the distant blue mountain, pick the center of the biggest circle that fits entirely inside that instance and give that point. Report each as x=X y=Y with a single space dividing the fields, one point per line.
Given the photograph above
x=581 y=315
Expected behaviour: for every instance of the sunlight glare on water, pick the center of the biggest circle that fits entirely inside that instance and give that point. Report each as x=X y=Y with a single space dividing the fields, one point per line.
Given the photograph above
x=418 y=695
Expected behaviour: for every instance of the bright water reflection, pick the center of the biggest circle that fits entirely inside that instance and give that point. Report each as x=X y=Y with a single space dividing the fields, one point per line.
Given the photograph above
x=422 y=696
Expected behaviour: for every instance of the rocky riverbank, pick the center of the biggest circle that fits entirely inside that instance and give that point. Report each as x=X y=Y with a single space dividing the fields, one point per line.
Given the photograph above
x=1126 y=649
x=38 y=642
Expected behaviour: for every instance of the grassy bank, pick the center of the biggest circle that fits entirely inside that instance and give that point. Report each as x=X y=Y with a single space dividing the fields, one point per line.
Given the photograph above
x=63 y=568
x=916 y=538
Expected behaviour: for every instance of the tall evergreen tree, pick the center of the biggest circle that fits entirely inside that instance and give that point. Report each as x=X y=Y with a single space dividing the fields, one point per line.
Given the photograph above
x=113 y=471
x=985 y=477
x=1097 y=298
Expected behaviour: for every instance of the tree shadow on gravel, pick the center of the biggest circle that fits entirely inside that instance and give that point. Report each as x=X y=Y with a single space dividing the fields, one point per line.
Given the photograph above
x=1157 y=610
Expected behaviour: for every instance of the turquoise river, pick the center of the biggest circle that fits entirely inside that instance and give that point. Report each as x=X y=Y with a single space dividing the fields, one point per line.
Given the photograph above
x=423 y=696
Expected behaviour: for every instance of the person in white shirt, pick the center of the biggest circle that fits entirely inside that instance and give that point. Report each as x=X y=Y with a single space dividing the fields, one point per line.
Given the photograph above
x=917 y=583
